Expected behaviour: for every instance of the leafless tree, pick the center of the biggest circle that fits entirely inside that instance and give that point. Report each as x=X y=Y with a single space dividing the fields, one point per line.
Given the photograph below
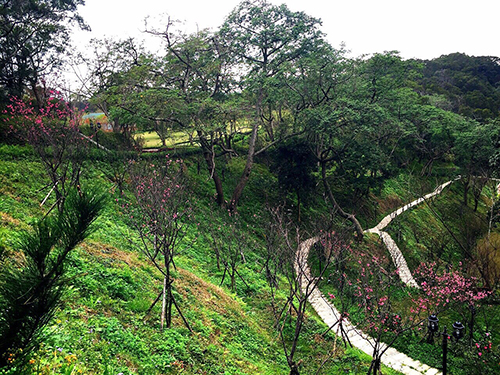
x=287 y=270
x=159 y=214
x=230 y=244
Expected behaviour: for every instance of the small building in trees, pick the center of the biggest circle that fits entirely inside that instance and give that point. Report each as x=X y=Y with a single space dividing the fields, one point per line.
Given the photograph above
x=98 y=118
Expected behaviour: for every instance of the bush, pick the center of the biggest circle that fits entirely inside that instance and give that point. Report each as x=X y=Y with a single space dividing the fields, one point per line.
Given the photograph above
x=33 y=282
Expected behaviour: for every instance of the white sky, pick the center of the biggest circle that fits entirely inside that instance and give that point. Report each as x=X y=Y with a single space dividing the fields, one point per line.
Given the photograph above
x=422 y=29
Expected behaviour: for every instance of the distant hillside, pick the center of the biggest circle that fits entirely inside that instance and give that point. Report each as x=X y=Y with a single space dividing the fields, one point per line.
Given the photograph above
x=467 y=85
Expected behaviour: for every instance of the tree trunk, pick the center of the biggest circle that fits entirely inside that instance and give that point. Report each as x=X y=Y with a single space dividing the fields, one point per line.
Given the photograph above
x=168 y=286
x=345 y=215
x=233 y=277
x=164 y=303
x=466 y=190
x=471 y=323
x=477 y=189
x=208 y=154
x=375 y=366
x=168 y=319
x=298 y=205
x=166 y=309
x=294 y=370
x=246 y=171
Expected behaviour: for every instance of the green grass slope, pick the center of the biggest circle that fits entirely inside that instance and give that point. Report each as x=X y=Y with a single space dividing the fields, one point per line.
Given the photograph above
x=106 y=326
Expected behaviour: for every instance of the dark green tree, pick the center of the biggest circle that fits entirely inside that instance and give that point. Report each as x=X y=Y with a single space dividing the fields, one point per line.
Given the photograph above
x=474 y=148
x=33 y=281
x=33 y=34
x=431 y=137
x=468 y=83
x=295 y=164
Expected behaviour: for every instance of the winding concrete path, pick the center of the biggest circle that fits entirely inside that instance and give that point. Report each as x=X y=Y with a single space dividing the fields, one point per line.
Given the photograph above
x=330 y=315
x=397 y=256
x=94 y=142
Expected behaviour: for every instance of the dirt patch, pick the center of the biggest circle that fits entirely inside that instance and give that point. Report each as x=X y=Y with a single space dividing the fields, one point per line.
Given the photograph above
x=105 y=251
x=211 y=296
x=390 y=203
x=8 y=220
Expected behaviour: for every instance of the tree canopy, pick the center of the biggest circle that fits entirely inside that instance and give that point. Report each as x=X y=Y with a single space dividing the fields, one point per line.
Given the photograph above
x=33 y=35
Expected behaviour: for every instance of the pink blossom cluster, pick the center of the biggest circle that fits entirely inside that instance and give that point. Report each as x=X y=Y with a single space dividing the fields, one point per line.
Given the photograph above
x=332 y=244
x=159 y=196
x=49 y=124
x=443 y=288
x=484 y=348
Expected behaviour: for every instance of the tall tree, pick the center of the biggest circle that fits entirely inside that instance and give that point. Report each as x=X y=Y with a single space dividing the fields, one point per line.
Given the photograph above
x=197 y=70
x=184 y=90
x=475 y=145
x=263 y=38
x=107 y=68
x=159 y=214
x=355 y=131
x=32 y=36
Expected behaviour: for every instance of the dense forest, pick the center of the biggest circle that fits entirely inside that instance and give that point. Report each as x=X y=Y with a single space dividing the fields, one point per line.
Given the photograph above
x=243 y=170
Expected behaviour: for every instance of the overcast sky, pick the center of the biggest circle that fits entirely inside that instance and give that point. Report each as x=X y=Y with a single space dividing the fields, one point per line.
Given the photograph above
x=422 y=29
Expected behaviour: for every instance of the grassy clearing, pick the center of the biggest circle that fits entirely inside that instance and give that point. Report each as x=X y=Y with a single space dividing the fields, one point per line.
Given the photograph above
x=176 y=138
x=152 y=140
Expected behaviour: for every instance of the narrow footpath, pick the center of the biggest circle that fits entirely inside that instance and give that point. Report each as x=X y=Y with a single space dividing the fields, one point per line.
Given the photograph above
x=331 y=316
x=397 y=256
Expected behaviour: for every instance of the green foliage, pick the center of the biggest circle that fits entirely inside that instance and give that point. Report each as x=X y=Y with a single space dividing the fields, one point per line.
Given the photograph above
x=223 y=99
x=104 y=324
x=266 y=35
x=33 y=36
x=475 y=146
x=32 y=284
x=468 y=83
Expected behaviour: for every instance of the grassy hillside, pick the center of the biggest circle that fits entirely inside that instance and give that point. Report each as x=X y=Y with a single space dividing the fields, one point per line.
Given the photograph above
x=105 y=325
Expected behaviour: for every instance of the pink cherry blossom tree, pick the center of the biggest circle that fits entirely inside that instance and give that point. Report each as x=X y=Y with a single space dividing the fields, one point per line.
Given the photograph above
x=372 y=284
x=160 y=212
x=52 y=128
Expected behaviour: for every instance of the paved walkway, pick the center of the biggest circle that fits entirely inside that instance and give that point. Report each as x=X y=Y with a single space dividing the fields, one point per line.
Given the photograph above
x=397 y=256
x=330 y=315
